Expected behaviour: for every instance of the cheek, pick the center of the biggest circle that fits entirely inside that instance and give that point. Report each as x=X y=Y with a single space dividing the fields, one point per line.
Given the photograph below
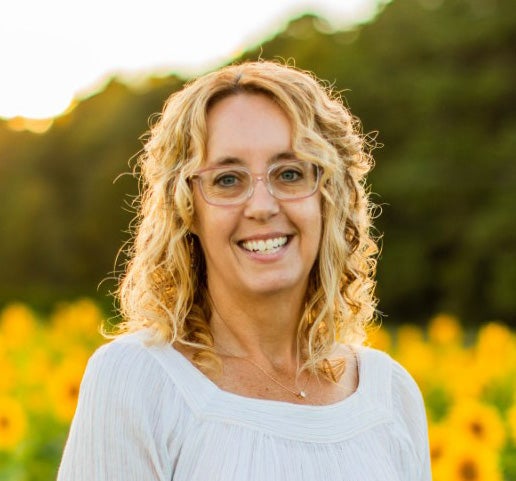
x=204 y=216
x=213 y=224
x=309 y=219
x=314 y=213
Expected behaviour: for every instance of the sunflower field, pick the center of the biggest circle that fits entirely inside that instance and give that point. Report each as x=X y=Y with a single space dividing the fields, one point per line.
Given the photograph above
x=468 y=380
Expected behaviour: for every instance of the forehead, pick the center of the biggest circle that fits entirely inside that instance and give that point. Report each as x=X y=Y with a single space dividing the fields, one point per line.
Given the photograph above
x=246 y=126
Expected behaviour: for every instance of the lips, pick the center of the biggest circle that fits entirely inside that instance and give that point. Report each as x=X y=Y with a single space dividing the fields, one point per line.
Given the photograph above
x=264 y=246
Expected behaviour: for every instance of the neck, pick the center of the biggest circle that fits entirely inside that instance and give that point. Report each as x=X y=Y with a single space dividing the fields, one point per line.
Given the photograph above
x=262 y=329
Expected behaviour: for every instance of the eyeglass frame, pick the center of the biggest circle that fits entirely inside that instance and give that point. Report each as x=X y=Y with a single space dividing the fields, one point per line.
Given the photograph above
x=264 y=177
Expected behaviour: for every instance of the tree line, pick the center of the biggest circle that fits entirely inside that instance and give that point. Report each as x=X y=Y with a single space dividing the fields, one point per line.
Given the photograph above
x=434 y=79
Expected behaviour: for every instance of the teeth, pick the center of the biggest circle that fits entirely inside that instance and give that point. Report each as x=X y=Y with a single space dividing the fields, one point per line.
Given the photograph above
x=268 y=246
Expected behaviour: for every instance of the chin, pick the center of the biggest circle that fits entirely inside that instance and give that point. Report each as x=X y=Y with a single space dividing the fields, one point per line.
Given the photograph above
x=272 y=287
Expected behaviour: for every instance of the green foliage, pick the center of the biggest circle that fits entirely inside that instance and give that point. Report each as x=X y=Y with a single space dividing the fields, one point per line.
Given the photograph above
x=433 y=77
x=64 y=215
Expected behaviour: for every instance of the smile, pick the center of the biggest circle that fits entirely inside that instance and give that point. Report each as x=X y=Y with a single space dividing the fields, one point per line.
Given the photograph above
x=268 y=246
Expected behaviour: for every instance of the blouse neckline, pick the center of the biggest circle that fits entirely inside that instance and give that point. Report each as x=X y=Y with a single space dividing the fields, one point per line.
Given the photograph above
x=259 y=401
x=367 y=406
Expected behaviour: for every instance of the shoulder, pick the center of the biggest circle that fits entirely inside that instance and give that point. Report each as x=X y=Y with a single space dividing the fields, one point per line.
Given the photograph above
x=133 y=368
x=124 y=354
x=123 y=368
x=390 y=381
x=128 y=410
x=382 y=364
x=406 y=405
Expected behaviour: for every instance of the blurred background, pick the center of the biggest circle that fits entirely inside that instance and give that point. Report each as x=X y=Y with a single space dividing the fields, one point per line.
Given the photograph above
x=433 y=80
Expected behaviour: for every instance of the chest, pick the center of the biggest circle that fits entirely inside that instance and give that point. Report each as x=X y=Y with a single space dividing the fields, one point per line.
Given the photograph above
x=248 y=380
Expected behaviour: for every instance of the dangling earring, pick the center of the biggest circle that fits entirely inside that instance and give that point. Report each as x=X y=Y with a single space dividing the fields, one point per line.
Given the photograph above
x=191 y=248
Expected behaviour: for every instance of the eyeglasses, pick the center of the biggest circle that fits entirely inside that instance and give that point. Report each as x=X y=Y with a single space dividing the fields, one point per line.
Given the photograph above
x=232 y=185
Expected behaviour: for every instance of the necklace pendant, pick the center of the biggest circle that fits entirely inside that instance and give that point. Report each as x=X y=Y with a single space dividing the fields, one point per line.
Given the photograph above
x=301 y=394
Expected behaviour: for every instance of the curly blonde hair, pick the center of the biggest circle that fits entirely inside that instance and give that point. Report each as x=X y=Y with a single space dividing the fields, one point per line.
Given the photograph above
x=164 y=286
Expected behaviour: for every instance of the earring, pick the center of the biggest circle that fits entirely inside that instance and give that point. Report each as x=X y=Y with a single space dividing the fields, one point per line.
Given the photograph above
x=191 y=248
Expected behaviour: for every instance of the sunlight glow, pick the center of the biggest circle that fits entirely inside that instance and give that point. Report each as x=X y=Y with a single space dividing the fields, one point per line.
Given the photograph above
x=55 y=51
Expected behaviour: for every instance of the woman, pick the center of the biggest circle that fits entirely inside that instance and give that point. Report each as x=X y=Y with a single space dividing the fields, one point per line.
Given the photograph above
x=246 y=300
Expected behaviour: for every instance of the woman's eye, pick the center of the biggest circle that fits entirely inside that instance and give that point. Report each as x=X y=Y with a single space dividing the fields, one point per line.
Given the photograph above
x=290 y=175
x=226 y=180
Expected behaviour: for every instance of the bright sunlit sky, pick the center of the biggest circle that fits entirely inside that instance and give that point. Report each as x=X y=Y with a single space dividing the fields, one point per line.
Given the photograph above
x=52 y=51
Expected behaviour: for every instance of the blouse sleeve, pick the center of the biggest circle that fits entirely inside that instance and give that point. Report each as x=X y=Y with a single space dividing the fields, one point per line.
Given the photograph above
x=119 y=432
x=409 y=409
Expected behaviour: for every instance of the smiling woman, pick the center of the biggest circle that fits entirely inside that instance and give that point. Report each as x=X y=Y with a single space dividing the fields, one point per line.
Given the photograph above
x=246 y=300
x=267 y=238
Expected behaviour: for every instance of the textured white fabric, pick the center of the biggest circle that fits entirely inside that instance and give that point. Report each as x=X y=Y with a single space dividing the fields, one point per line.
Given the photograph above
x=145 y=413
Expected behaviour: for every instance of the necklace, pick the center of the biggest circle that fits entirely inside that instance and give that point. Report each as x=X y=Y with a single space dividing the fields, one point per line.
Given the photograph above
x=299 y=393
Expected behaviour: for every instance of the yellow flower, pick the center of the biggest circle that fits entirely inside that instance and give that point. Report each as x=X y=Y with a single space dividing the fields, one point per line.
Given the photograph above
x=412 y=352
x=419 y=359
x=457 y=373
x=379 y=338
x=464 y=461
x=13 y=423
x=511 y=420
x=495 y=350
x=33 y=376
x=439 y=440
x=444 y=330
x=8 y=374
x=17 y=325
x=37 y=367
x=82 y=316
x=73 y=325
x=408 y=334
x=494 y=335
x=63 y=387
x=479 y=422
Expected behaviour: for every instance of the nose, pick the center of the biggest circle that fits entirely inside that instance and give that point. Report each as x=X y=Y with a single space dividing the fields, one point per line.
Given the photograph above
x=261 y=205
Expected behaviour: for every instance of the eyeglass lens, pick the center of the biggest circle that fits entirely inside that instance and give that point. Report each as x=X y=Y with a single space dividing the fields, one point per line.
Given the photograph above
x=284 y=180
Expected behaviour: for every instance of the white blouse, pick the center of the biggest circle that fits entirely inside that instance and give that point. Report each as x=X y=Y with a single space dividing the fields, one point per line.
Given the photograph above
x=145 y=413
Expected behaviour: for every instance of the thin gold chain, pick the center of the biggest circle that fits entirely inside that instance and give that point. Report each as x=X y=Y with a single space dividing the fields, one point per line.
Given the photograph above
x=300 y=394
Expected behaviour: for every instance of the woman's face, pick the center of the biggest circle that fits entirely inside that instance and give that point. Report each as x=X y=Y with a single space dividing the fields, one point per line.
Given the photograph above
x=263 y=245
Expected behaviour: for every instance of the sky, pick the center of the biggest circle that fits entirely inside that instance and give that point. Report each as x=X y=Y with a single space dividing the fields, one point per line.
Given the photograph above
x=55 y=51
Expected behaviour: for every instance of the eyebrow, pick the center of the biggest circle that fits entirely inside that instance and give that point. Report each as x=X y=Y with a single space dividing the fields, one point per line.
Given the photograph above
x=222 y=161
x=289 y=155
